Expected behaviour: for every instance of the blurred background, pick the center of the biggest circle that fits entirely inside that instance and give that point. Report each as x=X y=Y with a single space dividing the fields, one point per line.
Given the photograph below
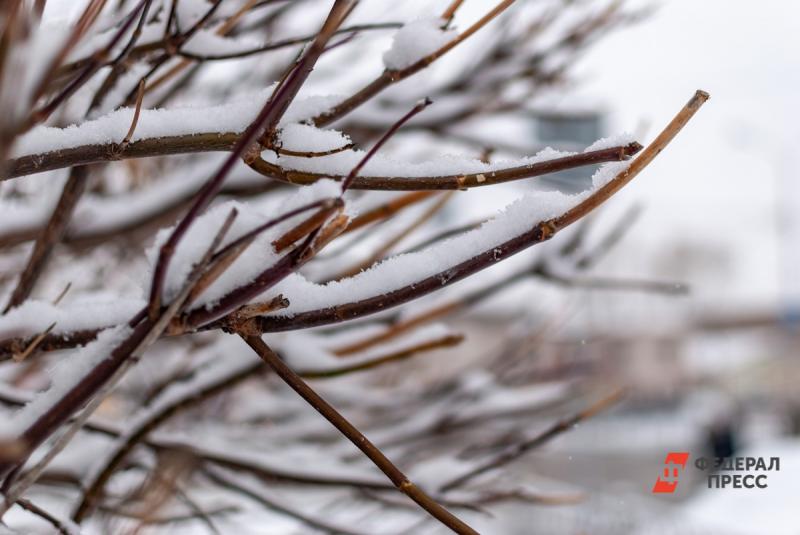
x=720 y=212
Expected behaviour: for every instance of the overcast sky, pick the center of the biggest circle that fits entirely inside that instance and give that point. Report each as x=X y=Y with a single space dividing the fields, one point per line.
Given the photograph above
x=727 y=175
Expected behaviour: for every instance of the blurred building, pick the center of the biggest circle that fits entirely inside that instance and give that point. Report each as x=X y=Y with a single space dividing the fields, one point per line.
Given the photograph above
x=569 y=130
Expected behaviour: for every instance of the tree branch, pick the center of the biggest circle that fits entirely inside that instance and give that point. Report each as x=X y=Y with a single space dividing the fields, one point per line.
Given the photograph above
x=397 y=477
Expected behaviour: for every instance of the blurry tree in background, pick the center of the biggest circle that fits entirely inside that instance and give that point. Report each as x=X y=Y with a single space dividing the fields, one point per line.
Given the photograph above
x=166 y=380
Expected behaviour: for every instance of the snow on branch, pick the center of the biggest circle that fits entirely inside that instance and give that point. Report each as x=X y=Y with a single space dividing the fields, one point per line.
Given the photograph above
x=415 y=40
x=158 y=132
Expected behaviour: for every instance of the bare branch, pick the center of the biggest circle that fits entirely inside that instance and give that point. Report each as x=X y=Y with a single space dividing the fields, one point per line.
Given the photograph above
x=357 y=438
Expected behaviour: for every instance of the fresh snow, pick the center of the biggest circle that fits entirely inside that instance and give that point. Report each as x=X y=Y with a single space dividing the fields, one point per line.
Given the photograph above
x=84 y=312
x=611 y=141
x=254 y=260
x=306 y=138
x=380 y=165
x=233 y=116
x=67 y=372
x=97 y=213
x=415 y=40
x=388 y=275
x=404 y=269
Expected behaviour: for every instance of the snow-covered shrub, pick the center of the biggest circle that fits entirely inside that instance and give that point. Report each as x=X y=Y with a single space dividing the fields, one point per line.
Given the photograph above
x=314 y=211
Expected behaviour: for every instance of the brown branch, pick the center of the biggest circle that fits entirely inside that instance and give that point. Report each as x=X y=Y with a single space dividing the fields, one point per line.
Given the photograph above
x=60 y=526
x=93 y=490
x=143 y=148
x=50 y=236
x=266 y=121
x=451 y=182
x=449 y=340
x=537 y=234
x=394 y=474
x=450 y=12
x=387 y=246
x=348 y=180
x=231 y=483
x=95 y=63
x=517 y=450
x=313 y=154
x=226 y=141
x=136 y=111
x=643 y=160
x=389 y=77
x=388 y=209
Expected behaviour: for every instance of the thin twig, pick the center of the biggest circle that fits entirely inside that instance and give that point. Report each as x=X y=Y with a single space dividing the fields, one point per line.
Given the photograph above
x=136 y=111
x=229 y=482
x=394 y=474
x=91 y=68
x=390 y=243
x=517 y=450
x=389 y=77
x=64 y=527
x=449 y=340
x=50 y=236
x=266 y=121
x=34 y=344
x=459 y=181
x=450 y=12
x=63 y=293
x=541 y=232
x=104 y=376
x=421 y=105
